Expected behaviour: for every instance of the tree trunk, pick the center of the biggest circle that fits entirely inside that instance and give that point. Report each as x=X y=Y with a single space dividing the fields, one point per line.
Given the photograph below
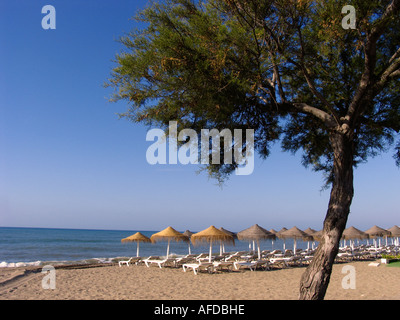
x=315 y=280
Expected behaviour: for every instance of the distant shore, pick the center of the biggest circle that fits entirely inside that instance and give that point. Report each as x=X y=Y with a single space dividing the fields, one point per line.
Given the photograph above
x=111 y=282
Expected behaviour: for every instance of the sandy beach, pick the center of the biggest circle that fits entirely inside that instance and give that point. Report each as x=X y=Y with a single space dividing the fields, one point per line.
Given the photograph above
x=142 y=283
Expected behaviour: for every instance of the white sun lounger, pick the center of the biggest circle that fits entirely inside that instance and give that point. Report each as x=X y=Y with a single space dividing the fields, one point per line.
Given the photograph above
x=220 y=265
x=196 y=267
x=133 y=260
x=160 y=263
x=252 y=265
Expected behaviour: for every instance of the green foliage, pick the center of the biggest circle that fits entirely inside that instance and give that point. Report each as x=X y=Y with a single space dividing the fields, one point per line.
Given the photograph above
x=249 y=64
x=391 y=257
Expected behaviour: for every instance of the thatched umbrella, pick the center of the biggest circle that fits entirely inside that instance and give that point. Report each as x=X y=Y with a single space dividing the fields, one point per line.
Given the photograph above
x=317 y=235
x=233 y=234
x=169 y=234
x=211 y=234
x=310 y=232
x=295 y=234
x=188 y=234
x=281 y=231
x=353 y=233
x=255 y=233
x=275 y=233
x=377 y=232
x=222 y=246
x=278 y=234
x=395 y=233
x=137 y=237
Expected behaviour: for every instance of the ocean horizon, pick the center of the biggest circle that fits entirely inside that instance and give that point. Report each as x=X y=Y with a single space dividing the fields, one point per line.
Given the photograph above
x=25 y=246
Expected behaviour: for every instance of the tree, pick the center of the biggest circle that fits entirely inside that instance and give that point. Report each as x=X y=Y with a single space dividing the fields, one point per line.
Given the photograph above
x=285 y=68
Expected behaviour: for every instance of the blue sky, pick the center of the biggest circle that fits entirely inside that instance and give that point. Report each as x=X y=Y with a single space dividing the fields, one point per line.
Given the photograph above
x=67 y=161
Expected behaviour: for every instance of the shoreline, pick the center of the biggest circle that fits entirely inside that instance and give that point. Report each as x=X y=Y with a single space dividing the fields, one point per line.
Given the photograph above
x=111 y=282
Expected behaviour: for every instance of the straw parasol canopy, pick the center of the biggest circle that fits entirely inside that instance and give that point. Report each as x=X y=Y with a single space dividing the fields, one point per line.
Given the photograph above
x=273 y=231
x=233 y=234
x=295 y=234
x=188 y=234
x=310 y=232
x=137 y=237
x=352 y=233
x=278 y=234
x=377 y=232
x=211 y=234
x=222 y=246
x=255 y=233
x=395 y=231
x=169 y=234
x=317 y=235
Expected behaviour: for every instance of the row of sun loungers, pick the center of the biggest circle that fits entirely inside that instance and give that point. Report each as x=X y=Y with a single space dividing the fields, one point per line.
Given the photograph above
x=363 y=252
x=245 y=260
x=236 y=261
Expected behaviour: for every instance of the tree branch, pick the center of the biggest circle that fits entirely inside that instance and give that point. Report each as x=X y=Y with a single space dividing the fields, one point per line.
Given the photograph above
x=395 y=74
x=326 y=118
x=302 y=67
x=394 y=56
x=392 y=71
x=356 y=106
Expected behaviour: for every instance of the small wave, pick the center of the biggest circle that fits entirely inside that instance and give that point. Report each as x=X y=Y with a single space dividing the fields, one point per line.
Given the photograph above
x=5 y=264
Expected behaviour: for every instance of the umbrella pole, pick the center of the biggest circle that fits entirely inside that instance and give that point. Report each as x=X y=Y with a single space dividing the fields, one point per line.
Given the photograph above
x=168 y=248
x=209 y=257
x=189 y=248
x=137 y=250
x=259 y=253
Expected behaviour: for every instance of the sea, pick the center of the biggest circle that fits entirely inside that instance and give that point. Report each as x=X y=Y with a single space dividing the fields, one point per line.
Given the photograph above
x=47 y=246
